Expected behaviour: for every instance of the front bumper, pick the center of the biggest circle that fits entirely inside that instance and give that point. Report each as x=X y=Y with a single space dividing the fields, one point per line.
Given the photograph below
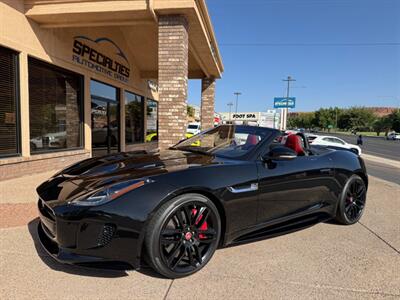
x=87 y=238
x=63 y=255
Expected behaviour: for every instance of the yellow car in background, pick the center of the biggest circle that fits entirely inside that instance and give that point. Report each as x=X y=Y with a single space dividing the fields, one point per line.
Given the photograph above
x=196 y=143
x=153 y=137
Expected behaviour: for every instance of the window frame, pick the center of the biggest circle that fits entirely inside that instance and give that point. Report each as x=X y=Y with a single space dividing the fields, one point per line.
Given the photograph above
x=118 y=99
x=17 y=95
x=81 y=97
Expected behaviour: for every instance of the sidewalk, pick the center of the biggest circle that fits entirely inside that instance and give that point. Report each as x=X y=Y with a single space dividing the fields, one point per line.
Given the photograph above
x=326 y=261
x=18 y=199
x=385 y=161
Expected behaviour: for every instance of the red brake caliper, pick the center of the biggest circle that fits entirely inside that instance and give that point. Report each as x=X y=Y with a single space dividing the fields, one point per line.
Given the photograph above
x=202 y=227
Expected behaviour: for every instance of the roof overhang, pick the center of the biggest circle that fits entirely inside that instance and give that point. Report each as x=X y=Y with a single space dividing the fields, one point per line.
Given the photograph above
x=138 y=20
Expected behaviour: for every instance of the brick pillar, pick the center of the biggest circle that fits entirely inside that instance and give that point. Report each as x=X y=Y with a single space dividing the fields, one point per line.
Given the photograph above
x=207 y=103
x=173 y=47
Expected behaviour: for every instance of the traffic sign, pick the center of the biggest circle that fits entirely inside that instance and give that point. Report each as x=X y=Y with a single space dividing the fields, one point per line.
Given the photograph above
x=283 y=102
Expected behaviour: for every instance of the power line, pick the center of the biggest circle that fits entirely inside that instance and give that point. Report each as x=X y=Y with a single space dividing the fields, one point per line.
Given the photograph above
x=307 y=44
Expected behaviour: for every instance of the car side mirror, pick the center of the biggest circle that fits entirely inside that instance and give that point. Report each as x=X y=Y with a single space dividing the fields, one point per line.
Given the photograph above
x=280 y=153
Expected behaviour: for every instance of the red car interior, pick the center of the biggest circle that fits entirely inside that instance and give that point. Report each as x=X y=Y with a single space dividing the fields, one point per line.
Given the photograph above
x=251 y=140
x=293 y=142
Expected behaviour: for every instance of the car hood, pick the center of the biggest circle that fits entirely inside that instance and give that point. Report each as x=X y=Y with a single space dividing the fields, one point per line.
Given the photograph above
x=95 y=173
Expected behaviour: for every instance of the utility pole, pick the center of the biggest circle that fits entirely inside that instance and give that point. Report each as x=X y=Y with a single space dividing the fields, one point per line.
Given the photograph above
x=230 y=104
x=285 y=110
x=336 y=109
x=237 y=100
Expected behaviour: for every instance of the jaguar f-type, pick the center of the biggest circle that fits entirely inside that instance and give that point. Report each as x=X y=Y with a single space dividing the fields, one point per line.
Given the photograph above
x=172 y=209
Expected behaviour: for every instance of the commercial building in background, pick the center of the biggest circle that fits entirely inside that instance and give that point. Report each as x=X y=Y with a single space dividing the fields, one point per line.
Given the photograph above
x=269 y=118
x=87 y=78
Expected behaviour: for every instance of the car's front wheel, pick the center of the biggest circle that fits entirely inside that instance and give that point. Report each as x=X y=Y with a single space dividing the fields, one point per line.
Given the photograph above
x=352 y=201
x=183 y=235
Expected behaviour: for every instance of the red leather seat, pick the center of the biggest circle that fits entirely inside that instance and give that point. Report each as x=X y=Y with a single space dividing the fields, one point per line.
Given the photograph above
x=251 y=140
x=293 y=142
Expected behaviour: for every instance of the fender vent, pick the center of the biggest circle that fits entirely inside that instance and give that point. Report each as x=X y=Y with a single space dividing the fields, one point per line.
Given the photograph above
x=105 y=235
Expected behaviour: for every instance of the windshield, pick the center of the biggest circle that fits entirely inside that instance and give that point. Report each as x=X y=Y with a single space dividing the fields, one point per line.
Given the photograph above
x=230 y=141
x=193 y=126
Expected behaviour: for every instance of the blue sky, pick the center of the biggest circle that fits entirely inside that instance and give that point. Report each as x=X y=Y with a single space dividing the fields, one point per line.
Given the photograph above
x=335 y=49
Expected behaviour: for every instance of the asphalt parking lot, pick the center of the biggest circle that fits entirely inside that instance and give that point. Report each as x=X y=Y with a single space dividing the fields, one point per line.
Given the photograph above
x=326 y=261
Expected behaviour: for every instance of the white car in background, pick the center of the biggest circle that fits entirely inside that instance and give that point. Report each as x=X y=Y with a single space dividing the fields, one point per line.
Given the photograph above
x=325 y=140
x=193 y=128
x=393 y=136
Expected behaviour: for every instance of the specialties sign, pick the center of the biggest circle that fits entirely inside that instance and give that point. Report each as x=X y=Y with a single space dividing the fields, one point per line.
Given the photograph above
x=86 y=52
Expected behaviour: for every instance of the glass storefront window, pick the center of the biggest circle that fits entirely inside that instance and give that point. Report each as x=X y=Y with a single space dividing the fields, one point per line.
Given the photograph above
x=152 y=120
x=9 y=141
x=55 y=108
x=133 y=118
x=105 y=118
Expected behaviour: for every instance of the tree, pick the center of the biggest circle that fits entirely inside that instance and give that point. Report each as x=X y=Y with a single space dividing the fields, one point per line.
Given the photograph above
x=357 y=118
x=381 y=125
x=301 y=120
x=326 y=117
x=394 y=120
x=190 y=111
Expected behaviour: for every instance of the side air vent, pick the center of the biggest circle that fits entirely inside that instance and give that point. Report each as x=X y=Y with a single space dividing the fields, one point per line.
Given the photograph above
x=105 y=235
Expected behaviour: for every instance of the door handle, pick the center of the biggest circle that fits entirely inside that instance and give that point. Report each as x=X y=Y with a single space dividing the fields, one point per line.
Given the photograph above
x=252 y=187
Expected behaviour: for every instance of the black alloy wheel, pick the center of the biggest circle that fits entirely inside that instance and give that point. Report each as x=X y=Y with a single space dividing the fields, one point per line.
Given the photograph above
x=183 y=235
x=352 y=203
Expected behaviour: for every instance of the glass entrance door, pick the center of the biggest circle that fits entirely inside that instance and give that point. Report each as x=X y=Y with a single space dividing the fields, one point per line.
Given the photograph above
x=105 y=119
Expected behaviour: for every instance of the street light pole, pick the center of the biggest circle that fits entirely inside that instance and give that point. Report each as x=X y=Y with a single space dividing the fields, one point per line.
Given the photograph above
x=237 y=100
x=285 y=112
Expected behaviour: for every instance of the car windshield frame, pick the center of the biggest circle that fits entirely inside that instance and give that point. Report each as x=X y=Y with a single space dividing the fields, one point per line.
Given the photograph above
x=267 y=135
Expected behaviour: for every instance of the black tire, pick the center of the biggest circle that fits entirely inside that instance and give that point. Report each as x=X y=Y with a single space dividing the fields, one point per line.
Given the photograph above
x=176 y=249
x=352 y=201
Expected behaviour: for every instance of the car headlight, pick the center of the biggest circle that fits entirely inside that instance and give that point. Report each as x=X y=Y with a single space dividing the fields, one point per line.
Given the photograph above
x=111 y=192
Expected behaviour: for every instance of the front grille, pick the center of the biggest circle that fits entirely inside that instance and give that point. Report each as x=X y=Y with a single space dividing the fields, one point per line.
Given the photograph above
x=105 y=235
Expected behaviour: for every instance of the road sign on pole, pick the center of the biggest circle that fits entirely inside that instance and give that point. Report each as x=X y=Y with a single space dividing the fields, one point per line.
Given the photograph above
x=284 y=102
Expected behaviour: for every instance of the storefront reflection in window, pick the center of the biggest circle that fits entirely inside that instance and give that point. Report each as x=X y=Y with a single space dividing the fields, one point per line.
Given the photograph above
x=55 y=108
x=152 y=120
x=133 y=118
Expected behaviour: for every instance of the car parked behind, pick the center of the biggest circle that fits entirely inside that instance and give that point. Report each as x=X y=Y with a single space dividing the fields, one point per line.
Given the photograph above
x=324 y=140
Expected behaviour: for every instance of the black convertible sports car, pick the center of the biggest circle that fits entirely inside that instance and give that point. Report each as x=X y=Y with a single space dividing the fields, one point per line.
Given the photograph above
x=174 y=208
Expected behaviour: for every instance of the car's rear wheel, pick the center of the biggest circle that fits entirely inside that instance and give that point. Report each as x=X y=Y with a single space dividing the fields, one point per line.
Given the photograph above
x=352 y=201
x=183 y=235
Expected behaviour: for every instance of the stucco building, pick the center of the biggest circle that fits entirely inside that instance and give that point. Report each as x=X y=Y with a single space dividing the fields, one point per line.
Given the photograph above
x=86 y=78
